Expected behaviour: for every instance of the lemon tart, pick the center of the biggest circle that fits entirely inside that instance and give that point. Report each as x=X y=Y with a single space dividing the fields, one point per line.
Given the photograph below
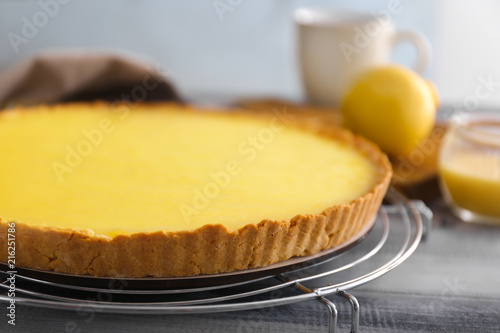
x=157 y=190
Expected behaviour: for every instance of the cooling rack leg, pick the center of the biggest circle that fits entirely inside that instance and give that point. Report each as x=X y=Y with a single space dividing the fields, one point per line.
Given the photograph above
x=332 y=309
x=332 y=326
x=355 y=310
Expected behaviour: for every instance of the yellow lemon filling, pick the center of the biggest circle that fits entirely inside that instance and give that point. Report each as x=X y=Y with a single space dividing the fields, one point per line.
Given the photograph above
x=472 y=180
x=129 y=169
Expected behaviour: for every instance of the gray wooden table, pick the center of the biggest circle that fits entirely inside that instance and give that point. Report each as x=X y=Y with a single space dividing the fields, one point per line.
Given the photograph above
x=450 y=284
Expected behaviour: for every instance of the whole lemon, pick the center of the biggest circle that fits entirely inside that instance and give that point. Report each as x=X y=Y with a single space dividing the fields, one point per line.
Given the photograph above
x=392 y=106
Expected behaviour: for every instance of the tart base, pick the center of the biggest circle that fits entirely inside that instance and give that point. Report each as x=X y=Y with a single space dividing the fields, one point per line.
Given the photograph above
x=210 y=249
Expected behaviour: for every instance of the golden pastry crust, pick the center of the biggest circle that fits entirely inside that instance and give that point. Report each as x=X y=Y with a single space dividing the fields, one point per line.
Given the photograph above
x=207 y=250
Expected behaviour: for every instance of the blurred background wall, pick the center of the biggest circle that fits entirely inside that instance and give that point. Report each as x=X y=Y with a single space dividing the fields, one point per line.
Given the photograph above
x=248 y=50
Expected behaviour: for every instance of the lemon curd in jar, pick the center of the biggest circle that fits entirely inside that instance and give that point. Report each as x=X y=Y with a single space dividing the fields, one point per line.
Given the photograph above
x=470 y=167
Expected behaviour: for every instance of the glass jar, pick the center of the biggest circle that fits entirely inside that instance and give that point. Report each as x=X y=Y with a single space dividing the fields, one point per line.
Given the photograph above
x=469 y=167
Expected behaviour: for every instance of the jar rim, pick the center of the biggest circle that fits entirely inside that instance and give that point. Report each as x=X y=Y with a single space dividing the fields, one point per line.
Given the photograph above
x=482 y=128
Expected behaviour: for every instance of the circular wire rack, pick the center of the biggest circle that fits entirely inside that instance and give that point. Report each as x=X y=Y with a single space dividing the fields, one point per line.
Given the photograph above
x=400 y=226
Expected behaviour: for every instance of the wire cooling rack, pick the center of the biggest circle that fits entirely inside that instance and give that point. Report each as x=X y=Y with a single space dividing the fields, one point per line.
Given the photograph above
x=399 y=228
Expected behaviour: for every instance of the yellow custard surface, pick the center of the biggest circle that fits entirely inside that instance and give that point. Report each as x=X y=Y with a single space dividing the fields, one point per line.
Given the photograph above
x=125 y=170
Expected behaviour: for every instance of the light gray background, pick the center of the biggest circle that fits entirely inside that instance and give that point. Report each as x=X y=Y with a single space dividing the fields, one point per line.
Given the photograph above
x=251 y=51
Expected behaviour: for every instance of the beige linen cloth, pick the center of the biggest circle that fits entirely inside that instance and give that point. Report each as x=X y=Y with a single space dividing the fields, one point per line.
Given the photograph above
x=82 y=76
